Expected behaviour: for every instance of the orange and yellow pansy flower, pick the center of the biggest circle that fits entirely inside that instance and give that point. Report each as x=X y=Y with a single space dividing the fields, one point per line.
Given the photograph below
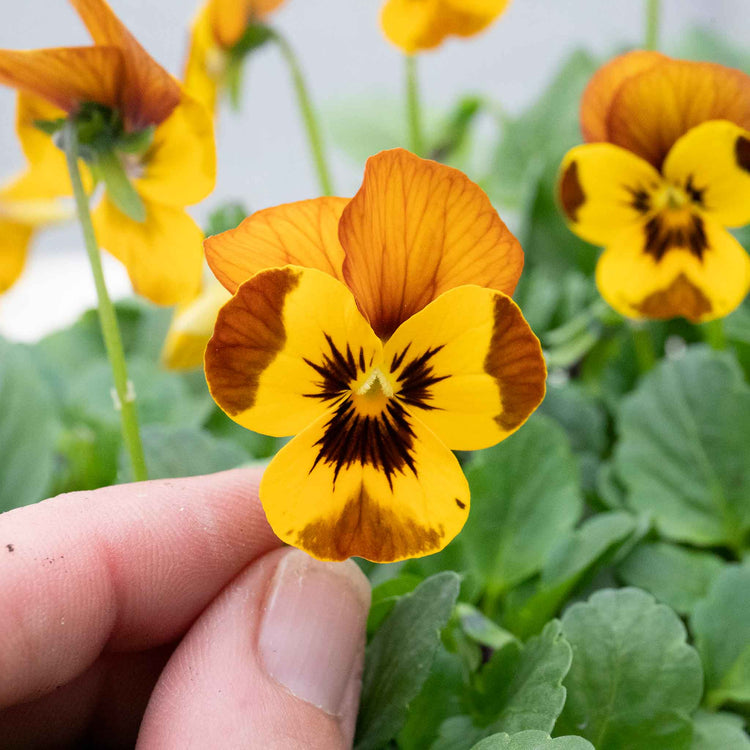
x=20 y=216
x=379 y=331
x=174 y=168
x=217 y=29
x=666 y=171
x=416 y=25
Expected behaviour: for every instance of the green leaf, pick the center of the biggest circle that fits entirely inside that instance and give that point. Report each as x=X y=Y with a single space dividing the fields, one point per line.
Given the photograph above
x=573 y=561
x=684 y=451
x=440 y=697
x=584 y=419
x=28 y=429
x=721 y=730
x=676 y=576
x=480 y=628
x=385 y=596
x=525 y=494
x=721 y=625
x=174 y=451
x=161 y=397
x=225 y=217
x=399 y=657
x=532 y=740
x=518 y=689
x=634 y=680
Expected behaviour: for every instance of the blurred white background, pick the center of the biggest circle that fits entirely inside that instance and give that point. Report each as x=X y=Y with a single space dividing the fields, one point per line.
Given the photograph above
x=263 y=155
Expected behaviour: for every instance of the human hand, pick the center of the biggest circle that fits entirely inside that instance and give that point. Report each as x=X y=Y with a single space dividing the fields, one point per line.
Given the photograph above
x=171 y=606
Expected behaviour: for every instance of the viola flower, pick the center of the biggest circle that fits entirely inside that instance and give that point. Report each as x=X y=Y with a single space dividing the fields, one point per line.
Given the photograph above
x=379 y=331
x=666 y=171
x=416 y=25
x=218 y=42
x=20 y=217
x=192 y=326
x=149 y=142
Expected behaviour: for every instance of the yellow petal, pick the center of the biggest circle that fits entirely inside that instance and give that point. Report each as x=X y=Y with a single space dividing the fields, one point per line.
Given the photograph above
x=149 y=92
x=304 y=233
x=162 y=254
x=275 y=340
x=180 y=165
x=604 y=188
x=19 y=206
x=47 y=175
x=468 y=366
x=415 y=229
x=603 y=87
x=415 y=25
x=192 y=326
x=14 y=243
x=66 y=76
x=681 y=268
x=654 y=108
x=332 y=498
x=205 y=63
x=412 y=26
x=712 y=164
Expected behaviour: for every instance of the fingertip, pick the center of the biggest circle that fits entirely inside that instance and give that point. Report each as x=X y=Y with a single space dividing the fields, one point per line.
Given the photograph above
x=275 y=661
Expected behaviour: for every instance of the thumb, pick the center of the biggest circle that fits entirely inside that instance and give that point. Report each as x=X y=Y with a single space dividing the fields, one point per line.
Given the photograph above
x=274 y=662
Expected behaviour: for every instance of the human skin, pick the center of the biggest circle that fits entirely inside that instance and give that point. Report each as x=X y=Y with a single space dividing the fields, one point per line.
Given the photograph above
x=169 y=611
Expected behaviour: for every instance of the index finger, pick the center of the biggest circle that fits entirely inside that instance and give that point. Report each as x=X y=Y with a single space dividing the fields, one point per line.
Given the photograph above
x=122 y=568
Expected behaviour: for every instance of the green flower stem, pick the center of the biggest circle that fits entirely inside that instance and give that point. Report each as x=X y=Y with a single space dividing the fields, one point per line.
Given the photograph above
x=643 y=343
x=713 y=334
x=308 y=113
x=413 y=109
x=653 y=15
x=107 y=316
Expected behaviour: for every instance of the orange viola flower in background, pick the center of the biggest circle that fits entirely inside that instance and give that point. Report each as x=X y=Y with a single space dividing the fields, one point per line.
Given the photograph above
x=216 y=36
x=417 y=25
x=379 y=331
x=666 y=171
x=159 y=141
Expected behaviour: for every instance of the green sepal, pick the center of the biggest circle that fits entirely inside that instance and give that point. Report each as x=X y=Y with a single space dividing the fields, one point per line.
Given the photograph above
x=50 y=127
x=137 y=142
x=109 y=169
x=255 y=36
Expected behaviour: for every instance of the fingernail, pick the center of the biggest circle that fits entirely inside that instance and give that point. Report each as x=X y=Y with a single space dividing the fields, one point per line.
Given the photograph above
x=313 y=628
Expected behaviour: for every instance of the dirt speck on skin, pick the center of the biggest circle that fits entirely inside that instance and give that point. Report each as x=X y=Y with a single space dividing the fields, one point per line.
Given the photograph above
x=10 y=548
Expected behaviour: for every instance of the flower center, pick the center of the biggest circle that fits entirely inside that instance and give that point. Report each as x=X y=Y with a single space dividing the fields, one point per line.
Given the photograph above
x=671 y=198
x=371 y=395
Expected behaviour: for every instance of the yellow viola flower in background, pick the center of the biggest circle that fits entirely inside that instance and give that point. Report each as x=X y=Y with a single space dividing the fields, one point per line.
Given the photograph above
x=192 y=326
x=666 y=171
x=162 y=148
x=20 y=217
x=217 y=30
x=417 y=25
x=379 y=331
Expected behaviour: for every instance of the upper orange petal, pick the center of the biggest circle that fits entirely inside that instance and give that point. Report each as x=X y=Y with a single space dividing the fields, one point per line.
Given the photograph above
x=304 y=233
x=415 y=229
x=66 y=76
x=604 y=85
x=653 y=109
x=149 y=92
